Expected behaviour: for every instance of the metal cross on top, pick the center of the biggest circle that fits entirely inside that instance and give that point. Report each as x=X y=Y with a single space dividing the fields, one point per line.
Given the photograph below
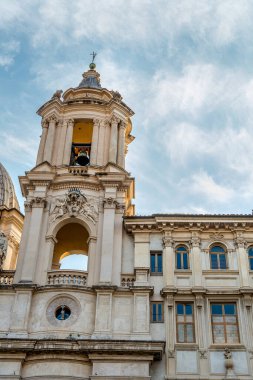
x=93 y=56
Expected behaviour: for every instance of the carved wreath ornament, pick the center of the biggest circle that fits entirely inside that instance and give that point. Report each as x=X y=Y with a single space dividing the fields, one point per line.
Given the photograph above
x=73 y=204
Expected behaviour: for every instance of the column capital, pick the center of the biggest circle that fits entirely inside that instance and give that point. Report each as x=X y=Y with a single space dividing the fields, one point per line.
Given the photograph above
x=168 y=242
x=52 y=119
x=120 y=208
x=239 y=241
x=115 y=119
x=110 y=203
x=195 y=240
x=122 y=125
x=44 y=123
x=97 y=122
x=38 y=202
x=70 y=122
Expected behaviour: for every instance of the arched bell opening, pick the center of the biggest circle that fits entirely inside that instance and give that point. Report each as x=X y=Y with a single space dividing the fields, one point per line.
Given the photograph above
x=71 y=249
x=81 y=142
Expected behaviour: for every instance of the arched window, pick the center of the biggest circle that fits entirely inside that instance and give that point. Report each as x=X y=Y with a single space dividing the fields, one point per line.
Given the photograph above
x=250 y=254
x=218 y=258
x=182 y=257
x=71 y=249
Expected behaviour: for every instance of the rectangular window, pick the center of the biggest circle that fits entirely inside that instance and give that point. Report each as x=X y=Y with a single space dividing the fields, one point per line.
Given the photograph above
x=224 y=323
x=185 y=323
x=156 y=312
x=156 y=262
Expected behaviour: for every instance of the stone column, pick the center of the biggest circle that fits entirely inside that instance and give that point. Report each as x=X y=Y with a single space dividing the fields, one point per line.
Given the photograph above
x=68 y=142
x=33 y=242
x=117 y=250
x=168 y=260
x=107 y=241
x=113 y=139
x=94 y=143
x=121 y=145
x=243 y=260
x=101 y=142
x=48 y=151
x=23 y=242
x=195 y=257
x=61 y=142
x=248 y=324
x=42 y=142
x=170 y=335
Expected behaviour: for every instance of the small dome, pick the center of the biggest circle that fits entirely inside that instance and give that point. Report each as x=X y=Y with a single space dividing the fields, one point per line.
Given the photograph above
x=91 y=78
x=8 y=196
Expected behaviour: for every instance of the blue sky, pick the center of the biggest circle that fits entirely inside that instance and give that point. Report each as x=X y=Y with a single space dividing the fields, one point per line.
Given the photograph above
x=184 y=67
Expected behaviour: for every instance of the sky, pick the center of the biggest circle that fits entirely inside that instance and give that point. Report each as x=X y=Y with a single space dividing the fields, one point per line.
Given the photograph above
x=185 y=67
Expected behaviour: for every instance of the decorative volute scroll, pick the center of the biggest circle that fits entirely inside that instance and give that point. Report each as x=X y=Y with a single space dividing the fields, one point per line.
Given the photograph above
x=168 y=241
x=239 y=240
x=73 y=204
x=195 y=240
x=3 y=248
x=110 y=202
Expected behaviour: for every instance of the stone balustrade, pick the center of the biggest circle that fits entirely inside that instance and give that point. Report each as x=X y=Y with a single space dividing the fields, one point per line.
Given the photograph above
x=127 y=280
x=67 y=277
x=6 y=277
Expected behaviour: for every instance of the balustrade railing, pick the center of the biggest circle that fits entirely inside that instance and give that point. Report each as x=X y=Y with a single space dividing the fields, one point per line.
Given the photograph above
x=127 y=280
x=6 y=277
x=67 y=277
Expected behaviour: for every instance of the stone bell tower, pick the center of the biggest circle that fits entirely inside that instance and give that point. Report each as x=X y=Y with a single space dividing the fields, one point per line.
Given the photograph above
x=79 y=175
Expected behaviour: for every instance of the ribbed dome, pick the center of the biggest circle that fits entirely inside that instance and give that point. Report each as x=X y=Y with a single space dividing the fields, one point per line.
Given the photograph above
x=8 y=196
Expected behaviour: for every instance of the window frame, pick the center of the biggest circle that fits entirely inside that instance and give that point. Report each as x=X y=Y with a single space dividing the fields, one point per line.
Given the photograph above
x=157 y=314
x=218 y=254
x=224 y=323
x=185 y=323
x=250 y=257
x=156 y=272
x=182 y=255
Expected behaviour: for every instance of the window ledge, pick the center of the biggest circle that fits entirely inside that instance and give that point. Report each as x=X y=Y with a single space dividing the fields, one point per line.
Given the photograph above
x=220 y=271
x=183 y=271
x=227 y=345
x=192 y=346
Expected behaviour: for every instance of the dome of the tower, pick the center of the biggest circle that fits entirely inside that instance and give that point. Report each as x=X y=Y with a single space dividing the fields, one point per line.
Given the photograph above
x=91 y=78
x=8 y=196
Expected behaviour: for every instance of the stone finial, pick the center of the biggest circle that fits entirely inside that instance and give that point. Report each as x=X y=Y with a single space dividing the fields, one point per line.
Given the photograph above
x=57 y=94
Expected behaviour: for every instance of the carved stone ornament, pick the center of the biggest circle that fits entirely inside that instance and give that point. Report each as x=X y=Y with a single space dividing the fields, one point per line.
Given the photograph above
x=3 y=248
x=38 y=202
x=202 y=354
x=73 y=205
x=240 y=242
x=216 y=236
x=171 y=354
x=110 y=202
x=195 y=240
x=168 y=242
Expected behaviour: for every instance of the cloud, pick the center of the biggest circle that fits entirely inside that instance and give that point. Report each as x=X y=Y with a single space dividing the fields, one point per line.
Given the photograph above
x=8 y=52
x=205 y=185
x=18 y=150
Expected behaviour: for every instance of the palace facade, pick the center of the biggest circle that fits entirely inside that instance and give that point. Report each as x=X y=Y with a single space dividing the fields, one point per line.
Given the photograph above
x=165 y=296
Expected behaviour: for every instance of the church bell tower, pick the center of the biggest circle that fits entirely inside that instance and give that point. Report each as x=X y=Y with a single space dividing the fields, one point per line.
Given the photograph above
x=79 y=189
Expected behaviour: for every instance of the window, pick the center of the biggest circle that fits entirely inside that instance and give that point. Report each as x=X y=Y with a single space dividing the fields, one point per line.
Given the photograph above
x=185 y=323
x=218 y=257
x=63 y=312
x=156 y=262
x=250 y=254
x=182 y=257
x=224 y=323
x=156 y=312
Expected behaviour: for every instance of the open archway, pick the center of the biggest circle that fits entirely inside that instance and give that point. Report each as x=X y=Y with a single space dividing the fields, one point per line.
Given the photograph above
x=71 y=249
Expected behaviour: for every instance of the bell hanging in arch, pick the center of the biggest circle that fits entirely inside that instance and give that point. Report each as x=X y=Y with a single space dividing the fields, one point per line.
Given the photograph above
x=83 y=158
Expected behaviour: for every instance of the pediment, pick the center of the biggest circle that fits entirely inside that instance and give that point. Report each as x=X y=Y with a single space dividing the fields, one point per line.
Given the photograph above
x=114 y=168
x=44 y=167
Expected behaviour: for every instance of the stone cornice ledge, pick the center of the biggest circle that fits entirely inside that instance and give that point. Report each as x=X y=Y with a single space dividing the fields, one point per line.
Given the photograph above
x=140 y=347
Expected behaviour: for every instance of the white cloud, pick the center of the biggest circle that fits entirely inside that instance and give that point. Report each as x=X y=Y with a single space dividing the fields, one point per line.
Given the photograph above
x=18 y=150
x=204 y=184
x=8 y=51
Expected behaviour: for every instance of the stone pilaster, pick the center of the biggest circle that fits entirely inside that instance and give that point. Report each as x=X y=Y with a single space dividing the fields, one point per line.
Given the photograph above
x=121 y=145
x=113 y=139
x=42 y=142
x=68 y=142
x=92 y=243
x=94 y=144
x=101 y=142
x=168 y=260
x=107 y=241
x=241 y=244
x=32 y=246
x=195 y=258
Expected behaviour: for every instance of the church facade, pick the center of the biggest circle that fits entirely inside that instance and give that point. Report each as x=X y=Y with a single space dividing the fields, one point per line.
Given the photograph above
x=165 y=296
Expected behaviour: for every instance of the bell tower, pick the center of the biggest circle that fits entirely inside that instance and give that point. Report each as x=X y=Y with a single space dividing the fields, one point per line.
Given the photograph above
x=79 y=185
